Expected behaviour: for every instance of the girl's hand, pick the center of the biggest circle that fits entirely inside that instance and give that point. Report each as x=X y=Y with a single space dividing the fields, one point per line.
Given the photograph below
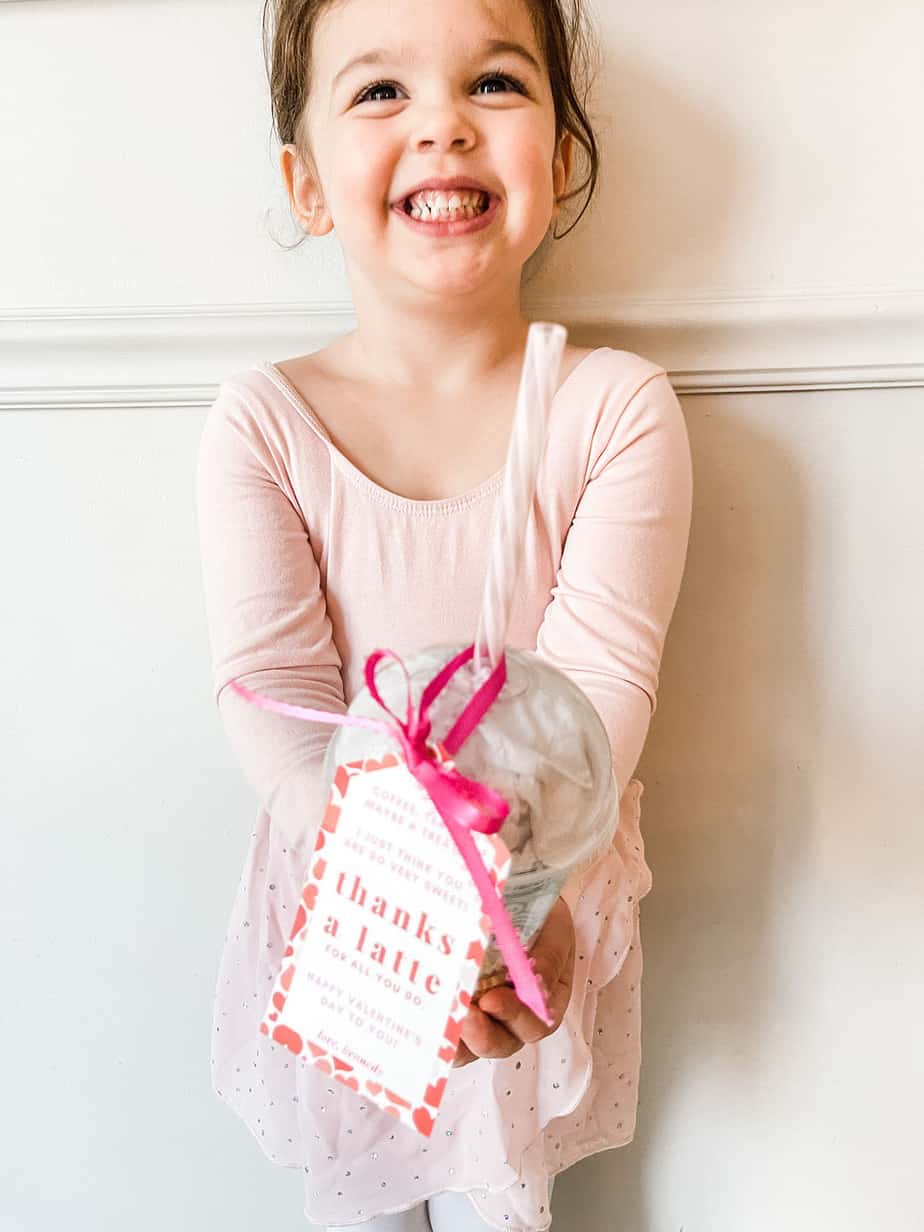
x=500 y=1024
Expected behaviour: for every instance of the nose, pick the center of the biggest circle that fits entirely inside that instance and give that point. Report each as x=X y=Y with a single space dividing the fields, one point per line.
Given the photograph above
x=443 y=126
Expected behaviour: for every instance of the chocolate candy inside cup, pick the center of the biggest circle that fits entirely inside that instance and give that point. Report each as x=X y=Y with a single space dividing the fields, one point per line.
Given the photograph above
x=541 y=745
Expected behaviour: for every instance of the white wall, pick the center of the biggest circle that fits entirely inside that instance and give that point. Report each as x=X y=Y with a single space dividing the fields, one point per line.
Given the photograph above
x=757 y=231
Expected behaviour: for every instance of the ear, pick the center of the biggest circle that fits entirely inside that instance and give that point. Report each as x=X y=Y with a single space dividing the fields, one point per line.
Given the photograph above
x=304 y=190
x=561 y=168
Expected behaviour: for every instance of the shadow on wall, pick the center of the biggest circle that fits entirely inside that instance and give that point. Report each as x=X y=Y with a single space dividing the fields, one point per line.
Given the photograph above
x=727 y=799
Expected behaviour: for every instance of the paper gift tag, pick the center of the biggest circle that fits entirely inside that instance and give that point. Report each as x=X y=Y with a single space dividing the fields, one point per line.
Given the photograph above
x=387 y=942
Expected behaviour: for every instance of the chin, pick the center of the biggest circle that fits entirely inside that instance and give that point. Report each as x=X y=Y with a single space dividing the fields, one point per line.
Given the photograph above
x=450 y=288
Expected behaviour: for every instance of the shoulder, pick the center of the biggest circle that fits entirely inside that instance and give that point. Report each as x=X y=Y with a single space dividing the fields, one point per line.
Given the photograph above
x=253 y=435
x=232 y=438
x=236 y=401
x=613 y=392
x=257 y=406
x=621 y=374
x=621 y=421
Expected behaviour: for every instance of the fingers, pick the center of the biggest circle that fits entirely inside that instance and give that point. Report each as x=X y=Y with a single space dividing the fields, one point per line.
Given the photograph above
x=507 y=1009
x=481 y=1037
x=464 y=1055
x=500 y=1024
x=486 y=1038
x=553 y=956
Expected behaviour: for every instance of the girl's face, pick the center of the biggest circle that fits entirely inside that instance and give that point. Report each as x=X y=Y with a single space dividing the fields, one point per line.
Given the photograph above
x=448 y=104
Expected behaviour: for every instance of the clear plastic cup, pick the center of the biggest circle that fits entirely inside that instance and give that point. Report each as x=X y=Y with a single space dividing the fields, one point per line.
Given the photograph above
x=541 y=745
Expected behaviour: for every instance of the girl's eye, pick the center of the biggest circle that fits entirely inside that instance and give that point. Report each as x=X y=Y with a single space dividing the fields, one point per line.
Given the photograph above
x=367 y=94
x=513 y=81
x=373 y=89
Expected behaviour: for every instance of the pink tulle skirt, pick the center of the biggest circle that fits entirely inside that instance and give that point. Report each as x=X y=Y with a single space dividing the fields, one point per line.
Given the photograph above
x=506 y=1127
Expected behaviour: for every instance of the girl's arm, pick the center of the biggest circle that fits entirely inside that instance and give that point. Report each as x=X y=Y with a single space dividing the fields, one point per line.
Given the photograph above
x=605 y=626
x=267 y=613
x=623 y=562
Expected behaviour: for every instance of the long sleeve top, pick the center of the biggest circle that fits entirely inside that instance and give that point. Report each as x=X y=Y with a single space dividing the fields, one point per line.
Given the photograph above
x=309 y=566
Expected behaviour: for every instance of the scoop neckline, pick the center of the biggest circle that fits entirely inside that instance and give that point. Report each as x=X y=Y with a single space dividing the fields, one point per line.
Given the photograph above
x=444 y=504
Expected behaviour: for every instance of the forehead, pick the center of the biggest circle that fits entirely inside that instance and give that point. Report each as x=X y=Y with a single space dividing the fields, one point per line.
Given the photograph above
x=411 y=31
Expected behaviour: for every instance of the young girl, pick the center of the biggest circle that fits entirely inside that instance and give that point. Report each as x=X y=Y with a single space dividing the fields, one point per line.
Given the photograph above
x=345 y=501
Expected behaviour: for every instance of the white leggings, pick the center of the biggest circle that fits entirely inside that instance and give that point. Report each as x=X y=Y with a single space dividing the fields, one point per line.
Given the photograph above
x=444 y=1212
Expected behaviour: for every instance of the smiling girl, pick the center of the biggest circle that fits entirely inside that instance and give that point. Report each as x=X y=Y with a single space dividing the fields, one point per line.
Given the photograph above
x=345 y=502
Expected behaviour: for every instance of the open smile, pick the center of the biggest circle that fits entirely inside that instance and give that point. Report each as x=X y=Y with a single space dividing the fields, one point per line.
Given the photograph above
x=449 y=228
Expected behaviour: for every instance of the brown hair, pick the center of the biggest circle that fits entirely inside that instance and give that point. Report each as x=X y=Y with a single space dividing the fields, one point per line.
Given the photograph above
x=560 y=30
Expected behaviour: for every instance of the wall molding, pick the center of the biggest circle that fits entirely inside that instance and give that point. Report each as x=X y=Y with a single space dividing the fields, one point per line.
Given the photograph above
x=174 y=356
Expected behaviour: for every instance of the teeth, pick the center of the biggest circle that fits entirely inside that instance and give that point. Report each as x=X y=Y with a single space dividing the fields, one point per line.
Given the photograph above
x=426 y=215
x=429 y=205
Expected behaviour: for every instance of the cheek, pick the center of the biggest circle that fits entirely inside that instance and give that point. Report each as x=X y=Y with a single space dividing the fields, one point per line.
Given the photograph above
x=363 y=174
x=526 y=162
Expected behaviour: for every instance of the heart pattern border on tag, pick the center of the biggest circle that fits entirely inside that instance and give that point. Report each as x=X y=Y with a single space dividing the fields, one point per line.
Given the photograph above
x=420 y=1117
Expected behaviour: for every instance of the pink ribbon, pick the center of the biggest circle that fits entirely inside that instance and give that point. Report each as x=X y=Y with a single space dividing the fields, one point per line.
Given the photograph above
x=464 y=804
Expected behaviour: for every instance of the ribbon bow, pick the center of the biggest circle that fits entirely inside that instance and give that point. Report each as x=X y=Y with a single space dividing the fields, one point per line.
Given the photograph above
x=464 y=804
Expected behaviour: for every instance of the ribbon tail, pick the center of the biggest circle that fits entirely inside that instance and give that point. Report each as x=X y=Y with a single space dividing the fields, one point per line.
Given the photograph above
x=303 y=712
x=524 y=978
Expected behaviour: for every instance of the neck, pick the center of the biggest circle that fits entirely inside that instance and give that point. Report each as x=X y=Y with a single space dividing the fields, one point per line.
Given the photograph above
x=444 y=349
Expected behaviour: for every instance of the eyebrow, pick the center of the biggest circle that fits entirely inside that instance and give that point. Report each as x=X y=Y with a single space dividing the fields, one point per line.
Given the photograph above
x=491 y=47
